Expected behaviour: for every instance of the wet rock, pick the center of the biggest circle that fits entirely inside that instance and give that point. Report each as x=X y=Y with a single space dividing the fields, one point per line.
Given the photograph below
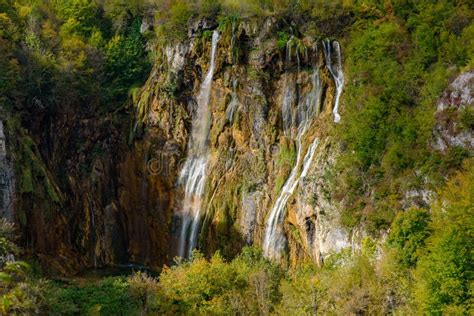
x=120 y=180
x=7 y=179
x=200 y=25
x=248 y=217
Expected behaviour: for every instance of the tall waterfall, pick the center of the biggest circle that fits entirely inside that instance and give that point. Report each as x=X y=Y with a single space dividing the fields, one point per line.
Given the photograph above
x=6 y=180
x=336 y=72
x=275 y=241
x=193 y=175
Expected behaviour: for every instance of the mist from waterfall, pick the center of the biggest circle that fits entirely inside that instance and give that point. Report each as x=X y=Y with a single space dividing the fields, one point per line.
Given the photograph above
x=193 y=174
x=308 y=107
x=336 y=72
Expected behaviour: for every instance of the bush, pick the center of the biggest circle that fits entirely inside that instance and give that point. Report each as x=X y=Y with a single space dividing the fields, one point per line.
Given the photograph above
x=444 y=275
x=408 y=234
x=174 y=21
x=467 y=118
x=126 y=62
x=110 y=296
x=248 y=285
x=7 y=246
x=144 y=289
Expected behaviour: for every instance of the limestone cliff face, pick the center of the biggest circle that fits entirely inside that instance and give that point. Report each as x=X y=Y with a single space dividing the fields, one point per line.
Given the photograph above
x=450 y=130
x=252 y=152
x=7 y=179
x=94 y=190
x=90 y=190
x=66 y=207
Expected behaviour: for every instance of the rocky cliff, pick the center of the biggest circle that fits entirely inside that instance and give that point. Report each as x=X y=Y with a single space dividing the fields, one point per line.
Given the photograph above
x=112 y=181
x=258 y=102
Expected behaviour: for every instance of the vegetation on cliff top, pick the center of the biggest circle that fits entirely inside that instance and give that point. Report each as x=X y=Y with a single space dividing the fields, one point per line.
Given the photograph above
x=58 y=53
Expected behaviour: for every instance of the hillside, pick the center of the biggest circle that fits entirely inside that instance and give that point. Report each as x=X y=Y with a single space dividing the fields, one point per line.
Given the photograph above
x=262 y=157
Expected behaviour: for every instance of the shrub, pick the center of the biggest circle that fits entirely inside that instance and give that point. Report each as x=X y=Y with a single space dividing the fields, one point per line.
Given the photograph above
x=248 y=285
x=144 y=289
x=110 y=296
x=467 y=118
x=7 y=246
x=408 y=234
x=174 y=21
x=126 y=62
x=444 y=275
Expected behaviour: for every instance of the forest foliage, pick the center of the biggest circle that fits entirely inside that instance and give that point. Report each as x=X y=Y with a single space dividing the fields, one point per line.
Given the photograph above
x=424 y=267
x=398 y=55
x=61 y=52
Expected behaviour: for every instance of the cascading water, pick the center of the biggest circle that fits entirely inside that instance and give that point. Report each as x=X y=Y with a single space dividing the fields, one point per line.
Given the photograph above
x=7 y=180
x=234 y=103
x=275 y=241
x=193 y=175
x=336 y=72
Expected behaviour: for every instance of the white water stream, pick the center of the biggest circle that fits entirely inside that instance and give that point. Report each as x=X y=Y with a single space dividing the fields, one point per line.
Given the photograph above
x=308 y=107
x=193 y=175
x=336 y=72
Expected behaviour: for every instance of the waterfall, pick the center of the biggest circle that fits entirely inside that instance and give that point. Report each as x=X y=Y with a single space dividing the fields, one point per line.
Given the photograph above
x=234 y=103
x=275 y=241
x=193 y=174
x=336 y=72
x=7 y=180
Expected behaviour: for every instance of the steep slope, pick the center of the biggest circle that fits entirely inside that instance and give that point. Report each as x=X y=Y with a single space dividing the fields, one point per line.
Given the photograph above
x=246 y=132
x=269 y=113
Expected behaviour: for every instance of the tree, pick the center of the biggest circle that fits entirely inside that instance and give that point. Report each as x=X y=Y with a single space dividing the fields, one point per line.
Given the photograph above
x=408 y=233
x=444 y=276
x=248 y=285
x=85 y=12
x=126 y=62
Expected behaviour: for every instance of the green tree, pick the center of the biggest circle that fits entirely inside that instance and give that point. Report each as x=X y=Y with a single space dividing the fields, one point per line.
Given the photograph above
x=408 y=233
x=85 y=12
x=248 y=285
x=122 y=13
x=444 y=276
x=126 y=62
